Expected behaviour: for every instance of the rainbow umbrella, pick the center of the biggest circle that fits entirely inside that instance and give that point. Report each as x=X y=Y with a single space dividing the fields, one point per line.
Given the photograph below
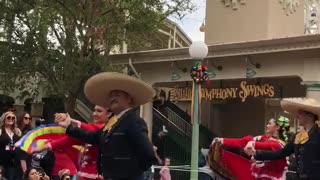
x=39 y=136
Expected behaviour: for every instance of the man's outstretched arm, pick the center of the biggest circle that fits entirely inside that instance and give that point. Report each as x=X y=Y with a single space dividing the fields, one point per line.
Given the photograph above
x=83 y=135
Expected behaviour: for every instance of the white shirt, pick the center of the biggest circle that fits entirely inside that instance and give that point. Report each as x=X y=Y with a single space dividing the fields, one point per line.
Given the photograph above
x=122 y=113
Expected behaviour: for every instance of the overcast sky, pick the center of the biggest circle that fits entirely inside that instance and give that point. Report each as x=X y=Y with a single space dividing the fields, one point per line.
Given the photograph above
x=192 y=22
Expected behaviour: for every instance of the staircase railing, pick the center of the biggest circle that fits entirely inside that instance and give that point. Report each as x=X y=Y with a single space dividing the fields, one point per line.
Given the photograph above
x=179 y=122
x=174 y=120
x=206 y=135
x=184 y=115
x=177 y=144
x=83 y=110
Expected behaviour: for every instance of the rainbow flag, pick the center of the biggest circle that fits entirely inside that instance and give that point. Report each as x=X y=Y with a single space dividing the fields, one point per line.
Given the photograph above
x=39 y=136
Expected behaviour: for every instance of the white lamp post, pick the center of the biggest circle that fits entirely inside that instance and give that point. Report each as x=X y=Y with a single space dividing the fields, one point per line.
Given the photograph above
x=198 y=51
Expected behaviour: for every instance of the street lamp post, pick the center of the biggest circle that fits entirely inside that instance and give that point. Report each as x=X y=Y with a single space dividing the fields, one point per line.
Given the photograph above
x=198 y=51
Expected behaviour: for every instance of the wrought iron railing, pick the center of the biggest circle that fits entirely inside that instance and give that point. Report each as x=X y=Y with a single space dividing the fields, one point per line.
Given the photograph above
x=83 y=110
x=184 y=115
x=206 y=135
x=177 y=144
x=167 y=122
x=179 y=122
x=173 y=119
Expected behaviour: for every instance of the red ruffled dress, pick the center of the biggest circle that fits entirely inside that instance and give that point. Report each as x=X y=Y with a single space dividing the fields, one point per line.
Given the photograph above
x=64 y=160
x=88 y=168
x=244 y=169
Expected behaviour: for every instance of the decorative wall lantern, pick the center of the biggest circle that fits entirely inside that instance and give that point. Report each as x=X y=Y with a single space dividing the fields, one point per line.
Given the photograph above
x=250 y=69
x=212 y=68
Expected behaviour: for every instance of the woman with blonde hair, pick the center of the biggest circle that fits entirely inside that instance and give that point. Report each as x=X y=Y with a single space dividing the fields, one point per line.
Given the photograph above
x=9 y=135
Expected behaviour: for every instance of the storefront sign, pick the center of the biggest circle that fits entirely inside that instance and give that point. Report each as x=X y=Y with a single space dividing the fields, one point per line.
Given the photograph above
x=244 y=91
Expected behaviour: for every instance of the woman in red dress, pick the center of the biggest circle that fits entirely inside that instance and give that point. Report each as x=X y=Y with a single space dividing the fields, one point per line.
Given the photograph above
x=88 y=168
x=244 y=169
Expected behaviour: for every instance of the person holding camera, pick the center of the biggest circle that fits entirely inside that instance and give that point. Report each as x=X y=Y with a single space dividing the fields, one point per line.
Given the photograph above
x=34 y=174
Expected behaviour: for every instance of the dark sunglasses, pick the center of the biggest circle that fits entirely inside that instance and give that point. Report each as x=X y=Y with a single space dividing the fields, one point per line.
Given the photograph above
x=11 y=117
x=27 y=118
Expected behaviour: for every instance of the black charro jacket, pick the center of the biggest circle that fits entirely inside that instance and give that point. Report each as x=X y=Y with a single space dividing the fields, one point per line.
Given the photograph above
x=307 y=155
x=125 y=150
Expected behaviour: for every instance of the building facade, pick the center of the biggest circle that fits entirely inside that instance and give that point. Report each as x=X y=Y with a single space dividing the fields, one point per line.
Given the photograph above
x=258 y=50
x=288 y=65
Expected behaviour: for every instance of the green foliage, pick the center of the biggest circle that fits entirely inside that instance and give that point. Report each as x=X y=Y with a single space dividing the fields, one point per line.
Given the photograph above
x=59 y=44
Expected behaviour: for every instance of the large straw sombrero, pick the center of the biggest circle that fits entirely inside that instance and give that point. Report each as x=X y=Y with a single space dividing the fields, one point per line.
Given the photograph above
x=97 y=89
x=293 y=105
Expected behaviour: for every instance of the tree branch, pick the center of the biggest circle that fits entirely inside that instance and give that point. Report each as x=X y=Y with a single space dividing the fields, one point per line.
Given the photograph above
x=24 y=21
x=106 y=12
x=73 y=16
x=56 y=34
x=27 y=2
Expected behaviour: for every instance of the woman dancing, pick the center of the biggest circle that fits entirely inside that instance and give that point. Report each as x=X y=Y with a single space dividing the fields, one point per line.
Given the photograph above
x=244 y=169
x=88 y=169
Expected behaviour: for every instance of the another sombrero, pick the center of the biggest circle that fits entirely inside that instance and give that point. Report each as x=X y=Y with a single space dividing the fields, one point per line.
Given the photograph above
x=97 y=89
x=293 y=105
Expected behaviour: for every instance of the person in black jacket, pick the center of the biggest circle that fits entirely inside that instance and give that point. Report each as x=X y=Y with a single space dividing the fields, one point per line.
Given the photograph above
x=125 y=149
x=305 y=145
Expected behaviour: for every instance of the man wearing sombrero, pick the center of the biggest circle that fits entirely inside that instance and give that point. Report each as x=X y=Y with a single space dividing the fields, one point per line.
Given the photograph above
x=305 y=145
x=125 y=149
